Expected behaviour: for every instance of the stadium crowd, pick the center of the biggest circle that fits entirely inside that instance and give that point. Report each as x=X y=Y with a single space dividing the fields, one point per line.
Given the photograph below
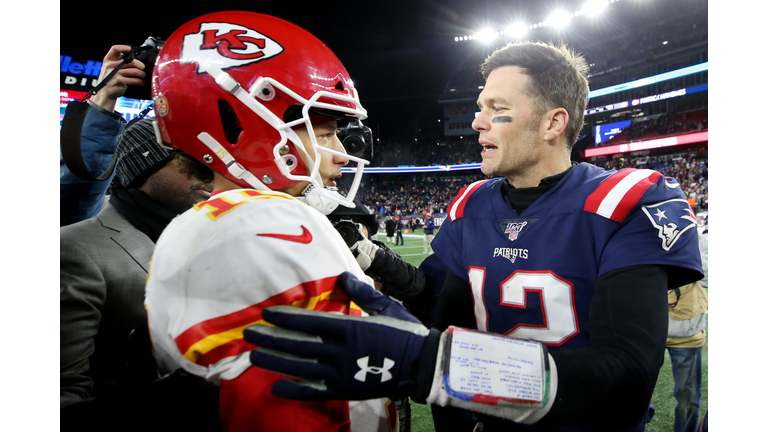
x=394 y=195
x=690 y=169
x=418 y=154
x=391 y=195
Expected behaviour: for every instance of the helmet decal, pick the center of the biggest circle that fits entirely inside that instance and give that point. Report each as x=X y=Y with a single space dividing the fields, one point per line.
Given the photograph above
x=227 y=45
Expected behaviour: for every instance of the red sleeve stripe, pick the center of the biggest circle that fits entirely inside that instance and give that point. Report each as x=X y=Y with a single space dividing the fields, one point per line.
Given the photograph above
x=231 y=343
x=456 y=209
x=619 y=194
x=207 y=335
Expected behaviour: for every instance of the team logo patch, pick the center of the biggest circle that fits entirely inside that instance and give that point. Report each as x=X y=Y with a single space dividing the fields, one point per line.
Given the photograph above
x=672 y=218
x=512 y=254
x=227 y=45
x=512 y=228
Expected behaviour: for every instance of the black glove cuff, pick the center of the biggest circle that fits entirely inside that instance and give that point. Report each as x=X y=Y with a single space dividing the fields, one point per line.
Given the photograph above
x=426 y=369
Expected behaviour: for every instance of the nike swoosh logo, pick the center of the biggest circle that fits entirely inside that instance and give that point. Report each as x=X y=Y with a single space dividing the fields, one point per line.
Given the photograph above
x=304 y=238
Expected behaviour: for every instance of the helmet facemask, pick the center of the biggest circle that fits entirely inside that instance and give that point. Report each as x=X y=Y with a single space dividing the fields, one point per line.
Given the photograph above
x=262 y=91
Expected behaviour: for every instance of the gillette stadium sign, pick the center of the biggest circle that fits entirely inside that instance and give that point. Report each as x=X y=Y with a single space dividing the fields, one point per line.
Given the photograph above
x=78 y=74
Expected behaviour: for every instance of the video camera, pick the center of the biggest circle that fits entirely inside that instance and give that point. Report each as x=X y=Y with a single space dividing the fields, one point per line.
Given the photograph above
x=349 y=231
x=357 y=139
x=147 y=54
x=347 y=222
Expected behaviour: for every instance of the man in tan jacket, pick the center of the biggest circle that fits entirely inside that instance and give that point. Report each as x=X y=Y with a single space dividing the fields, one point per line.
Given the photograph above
x=685 y=340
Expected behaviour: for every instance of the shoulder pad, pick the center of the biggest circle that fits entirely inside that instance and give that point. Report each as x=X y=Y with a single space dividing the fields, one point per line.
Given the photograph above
x=618 y=194
x=456 y=208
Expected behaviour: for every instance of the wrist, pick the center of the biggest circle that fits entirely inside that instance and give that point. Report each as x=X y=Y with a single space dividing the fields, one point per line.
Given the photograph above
x=104 y=101
x=426 y=367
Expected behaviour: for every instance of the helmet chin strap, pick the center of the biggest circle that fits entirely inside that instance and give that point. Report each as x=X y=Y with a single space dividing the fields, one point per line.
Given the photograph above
x=320 y=201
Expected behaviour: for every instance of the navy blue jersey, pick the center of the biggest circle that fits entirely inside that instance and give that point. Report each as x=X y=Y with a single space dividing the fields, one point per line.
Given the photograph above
x=533 y=274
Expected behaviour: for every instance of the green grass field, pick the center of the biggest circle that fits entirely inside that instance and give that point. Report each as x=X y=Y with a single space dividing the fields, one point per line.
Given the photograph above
x=663 y=400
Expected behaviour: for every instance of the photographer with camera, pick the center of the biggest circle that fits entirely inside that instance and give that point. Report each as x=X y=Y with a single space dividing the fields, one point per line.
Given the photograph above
x=101 y=129
x=106 y=367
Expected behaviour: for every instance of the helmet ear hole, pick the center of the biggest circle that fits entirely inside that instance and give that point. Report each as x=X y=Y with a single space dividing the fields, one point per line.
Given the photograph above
x=339 y=86
x=229 y=121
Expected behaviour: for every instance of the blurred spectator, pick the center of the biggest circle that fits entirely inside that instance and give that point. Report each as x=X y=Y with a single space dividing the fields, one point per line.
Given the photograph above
x=105 y=355
x=685 y=341
x=429 y=231
x=399 y=231
x=389 y=226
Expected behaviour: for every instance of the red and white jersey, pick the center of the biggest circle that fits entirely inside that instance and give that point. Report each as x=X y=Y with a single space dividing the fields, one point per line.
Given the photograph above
x=215 y=268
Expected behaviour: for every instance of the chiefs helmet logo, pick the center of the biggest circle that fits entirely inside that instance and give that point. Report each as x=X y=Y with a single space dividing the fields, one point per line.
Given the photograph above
x=228 y=45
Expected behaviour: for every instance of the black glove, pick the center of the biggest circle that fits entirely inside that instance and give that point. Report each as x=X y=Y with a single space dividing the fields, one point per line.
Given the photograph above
x=345 y=357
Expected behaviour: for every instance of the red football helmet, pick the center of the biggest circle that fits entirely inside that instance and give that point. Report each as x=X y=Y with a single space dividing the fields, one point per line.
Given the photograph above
x=229 y=86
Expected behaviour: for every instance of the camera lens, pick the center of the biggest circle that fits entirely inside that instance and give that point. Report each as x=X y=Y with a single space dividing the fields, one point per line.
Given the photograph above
x=349 y=232
x=354 y=145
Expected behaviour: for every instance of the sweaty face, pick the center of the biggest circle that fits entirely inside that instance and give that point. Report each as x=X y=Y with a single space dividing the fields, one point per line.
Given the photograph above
x=507 y=125
x=180 y=184
x=330 y=165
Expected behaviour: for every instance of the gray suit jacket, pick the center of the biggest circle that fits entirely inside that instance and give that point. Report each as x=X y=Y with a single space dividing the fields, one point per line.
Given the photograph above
x=103 y=270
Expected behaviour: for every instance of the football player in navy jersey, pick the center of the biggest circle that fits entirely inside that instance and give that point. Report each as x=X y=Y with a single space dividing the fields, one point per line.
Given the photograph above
x=571 y=256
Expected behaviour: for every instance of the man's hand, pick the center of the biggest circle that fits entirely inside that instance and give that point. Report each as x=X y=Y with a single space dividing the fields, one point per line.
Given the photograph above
x=129 y=75
x=337 y=357
x=346 y=357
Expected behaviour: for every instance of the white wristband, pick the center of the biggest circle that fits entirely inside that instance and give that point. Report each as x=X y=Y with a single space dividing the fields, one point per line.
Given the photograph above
x=494 y=374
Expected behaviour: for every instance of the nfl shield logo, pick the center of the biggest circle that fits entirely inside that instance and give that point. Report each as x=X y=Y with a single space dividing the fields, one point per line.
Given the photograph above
x=513 y=229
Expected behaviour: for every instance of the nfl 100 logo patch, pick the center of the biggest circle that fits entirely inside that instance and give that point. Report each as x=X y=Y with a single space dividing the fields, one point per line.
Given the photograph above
x=513 y=228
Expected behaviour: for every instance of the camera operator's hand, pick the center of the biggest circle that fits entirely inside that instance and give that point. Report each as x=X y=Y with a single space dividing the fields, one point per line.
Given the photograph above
x=132 y=74
x=364 y=251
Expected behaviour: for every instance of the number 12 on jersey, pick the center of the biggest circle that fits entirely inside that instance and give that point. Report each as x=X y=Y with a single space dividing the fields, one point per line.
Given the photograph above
x=558 y=310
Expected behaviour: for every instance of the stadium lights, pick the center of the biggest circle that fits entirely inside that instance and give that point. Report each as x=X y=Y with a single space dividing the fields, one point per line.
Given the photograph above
x=558 y=20
x=516 y=30
x=594 y=7
x=486 y=35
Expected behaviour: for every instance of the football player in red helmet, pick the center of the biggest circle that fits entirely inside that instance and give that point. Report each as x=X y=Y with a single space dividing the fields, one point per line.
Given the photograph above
x=237 y=97
x=257 y=99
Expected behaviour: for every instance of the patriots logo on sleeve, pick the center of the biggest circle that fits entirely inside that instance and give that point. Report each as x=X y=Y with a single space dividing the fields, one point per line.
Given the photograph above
x=671 y=218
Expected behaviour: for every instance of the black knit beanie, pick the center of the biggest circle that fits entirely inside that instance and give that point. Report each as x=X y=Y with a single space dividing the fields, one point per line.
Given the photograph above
x=140 y=154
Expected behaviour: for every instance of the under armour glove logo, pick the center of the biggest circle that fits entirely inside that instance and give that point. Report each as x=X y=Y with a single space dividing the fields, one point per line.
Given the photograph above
x=365 y=369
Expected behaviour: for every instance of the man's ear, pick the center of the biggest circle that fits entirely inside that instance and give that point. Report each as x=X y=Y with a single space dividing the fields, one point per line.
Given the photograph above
x=556 y=122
